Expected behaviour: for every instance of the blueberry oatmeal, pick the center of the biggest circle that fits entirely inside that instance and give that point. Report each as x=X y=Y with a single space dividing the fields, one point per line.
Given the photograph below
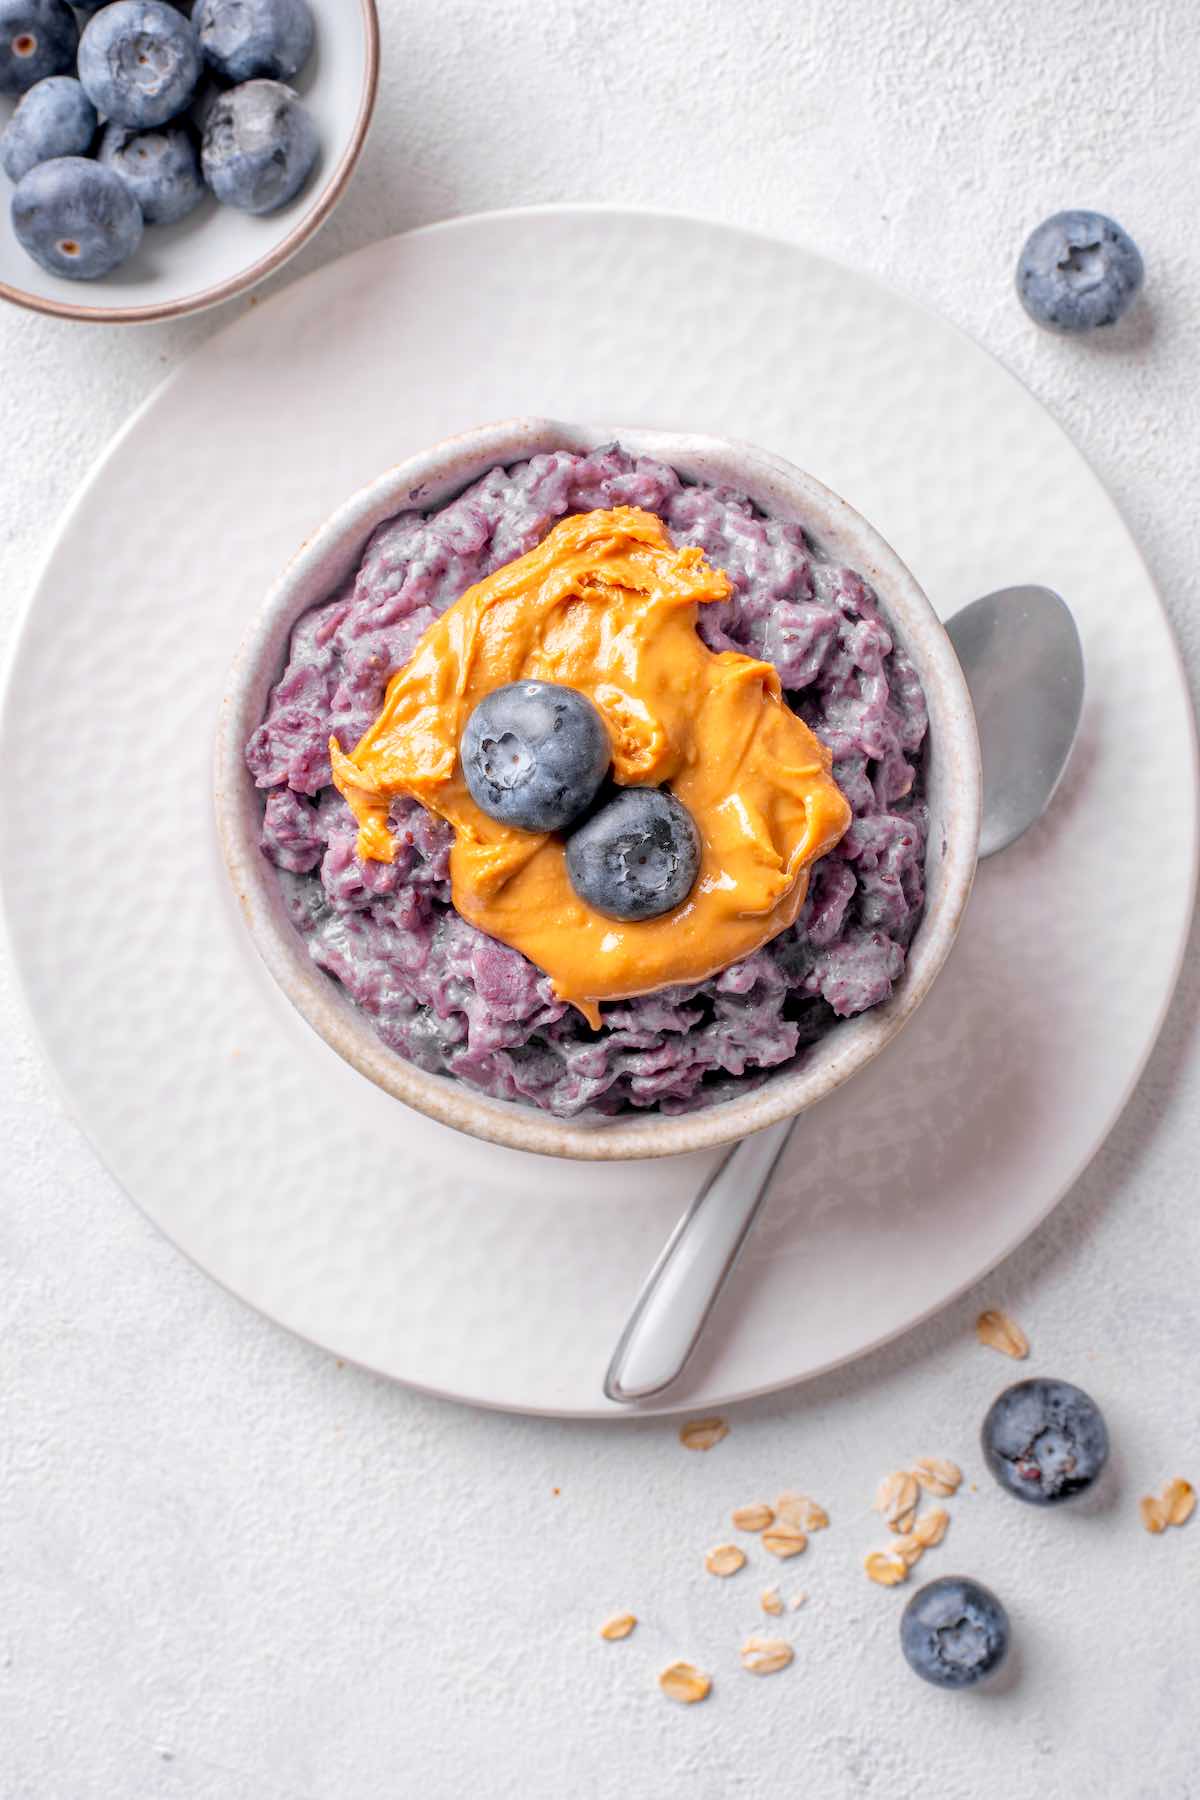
x=765 y=615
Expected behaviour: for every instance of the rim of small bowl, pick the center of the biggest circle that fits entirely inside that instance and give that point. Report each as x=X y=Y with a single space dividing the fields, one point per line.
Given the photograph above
x=429 y=479
x=311 y=222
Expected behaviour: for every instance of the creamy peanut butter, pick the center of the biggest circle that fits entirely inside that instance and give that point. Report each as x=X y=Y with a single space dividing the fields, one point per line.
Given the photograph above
x=607 y=605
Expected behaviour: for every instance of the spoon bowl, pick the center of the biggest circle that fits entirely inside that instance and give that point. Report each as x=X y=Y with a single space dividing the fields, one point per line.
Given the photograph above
x=1020 y=652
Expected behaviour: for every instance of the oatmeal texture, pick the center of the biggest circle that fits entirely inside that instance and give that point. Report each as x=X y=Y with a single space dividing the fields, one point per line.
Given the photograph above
x=451 y=999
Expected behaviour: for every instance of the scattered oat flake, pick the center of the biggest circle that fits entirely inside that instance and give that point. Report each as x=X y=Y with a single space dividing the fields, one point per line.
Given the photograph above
x=999 y=1332
x=908 y=1548
x=1176 y=1506
x=765 y=1656
x=725 y=1559
x=702 y=1434
x=802 y=1512
x=684 y=1682
x=784 y=1540
x=1179 y=1498
x=799 y=1600
x=618 y=1627
x=752 y=1518
x=897 y=1498
x=932 y=1528
x=770 y=1601
x=937 y=1476
x=885 y=1568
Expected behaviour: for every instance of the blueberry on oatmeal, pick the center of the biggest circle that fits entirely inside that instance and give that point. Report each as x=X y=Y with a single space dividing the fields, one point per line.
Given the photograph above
x=637 y=857
x=534 y=754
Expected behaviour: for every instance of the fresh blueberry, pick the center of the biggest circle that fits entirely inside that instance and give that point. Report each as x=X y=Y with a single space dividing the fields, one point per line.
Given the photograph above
x=55 y=118
x=160 y=169
x=534 y=755
x=76 y=218
x=259 y=146
x=37 y=38
x=637 y=856
x=1045 y=1441
x=1078 y=270
x=140 y=62
x=242 y=39
x=953 y=1632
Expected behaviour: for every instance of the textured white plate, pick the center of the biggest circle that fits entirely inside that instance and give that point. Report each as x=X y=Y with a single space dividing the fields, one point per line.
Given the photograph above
x=467 y=1269
x=218 y=251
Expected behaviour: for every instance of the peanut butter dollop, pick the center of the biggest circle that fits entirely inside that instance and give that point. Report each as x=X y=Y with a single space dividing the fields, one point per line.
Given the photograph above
x=608 y=605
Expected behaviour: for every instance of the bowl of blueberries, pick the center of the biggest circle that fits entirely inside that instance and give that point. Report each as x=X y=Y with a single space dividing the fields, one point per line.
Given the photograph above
x=161 y=156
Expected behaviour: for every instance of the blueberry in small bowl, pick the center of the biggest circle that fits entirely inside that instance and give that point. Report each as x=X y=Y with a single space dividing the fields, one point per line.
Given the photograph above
x=160 y=168
x=37 y=39
x=55 y=118
x=954 y=1632
x=242 y=39
x=75 y=218
x=260 y=146
x=1078 y=271
x=140 y=62
x=1045 y=1441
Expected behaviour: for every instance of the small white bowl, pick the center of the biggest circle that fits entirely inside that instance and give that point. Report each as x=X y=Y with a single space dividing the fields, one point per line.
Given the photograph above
x=952 y=787
x=218 y=252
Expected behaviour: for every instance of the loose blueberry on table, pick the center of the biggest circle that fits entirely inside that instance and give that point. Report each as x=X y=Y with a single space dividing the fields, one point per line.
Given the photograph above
x=37 y=38
x=954 y=1632
x=637 y=857
x=172 y=124
x=75 y=218
x=55 y=118
x=1045 y=1441
x=1078 y=271
x=534 y=754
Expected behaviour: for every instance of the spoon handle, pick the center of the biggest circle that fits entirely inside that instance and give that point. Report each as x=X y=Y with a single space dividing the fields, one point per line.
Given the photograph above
x=682 y=1288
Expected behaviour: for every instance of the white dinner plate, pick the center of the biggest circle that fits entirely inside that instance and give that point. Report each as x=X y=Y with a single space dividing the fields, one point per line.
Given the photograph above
x=454 y=1265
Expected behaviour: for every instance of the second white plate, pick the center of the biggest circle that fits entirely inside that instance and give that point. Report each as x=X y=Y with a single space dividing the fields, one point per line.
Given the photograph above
x=456 y=1266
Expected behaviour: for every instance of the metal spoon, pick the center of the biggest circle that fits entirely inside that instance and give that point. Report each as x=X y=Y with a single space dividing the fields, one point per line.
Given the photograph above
x=1020 y=653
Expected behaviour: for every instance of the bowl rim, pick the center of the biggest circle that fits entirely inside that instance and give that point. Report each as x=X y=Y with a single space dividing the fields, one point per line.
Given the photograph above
x=323 y=204
x=431 y=477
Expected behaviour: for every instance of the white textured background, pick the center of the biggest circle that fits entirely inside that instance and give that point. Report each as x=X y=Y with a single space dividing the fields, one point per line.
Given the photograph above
x=233 y=1570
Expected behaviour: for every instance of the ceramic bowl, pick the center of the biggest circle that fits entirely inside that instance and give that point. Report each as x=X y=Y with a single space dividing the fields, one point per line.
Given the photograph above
x=218 y=252
x=953 y=783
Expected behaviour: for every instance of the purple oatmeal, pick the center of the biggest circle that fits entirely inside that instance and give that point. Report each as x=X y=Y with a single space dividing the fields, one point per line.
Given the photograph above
x=452 y=1000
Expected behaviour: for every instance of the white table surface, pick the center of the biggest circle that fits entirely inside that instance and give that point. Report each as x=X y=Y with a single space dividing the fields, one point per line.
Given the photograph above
x=231 y=1569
